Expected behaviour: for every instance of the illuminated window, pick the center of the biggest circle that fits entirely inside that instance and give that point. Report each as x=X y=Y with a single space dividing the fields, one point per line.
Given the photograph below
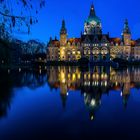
x=88 y=76
x=93 y=52
x=97 y=52
x=74 y=77
x=79 y=75
x=79 y=52
x=73 y=52
x=69 y=75
x=85 y=76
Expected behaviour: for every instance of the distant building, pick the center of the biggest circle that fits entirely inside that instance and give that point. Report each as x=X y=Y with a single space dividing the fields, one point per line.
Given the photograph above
x=93 y=44
x=136 y=50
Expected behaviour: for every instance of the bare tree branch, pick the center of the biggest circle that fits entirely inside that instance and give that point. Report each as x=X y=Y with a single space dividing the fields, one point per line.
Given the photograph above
x=25 y=16
x=6 y=15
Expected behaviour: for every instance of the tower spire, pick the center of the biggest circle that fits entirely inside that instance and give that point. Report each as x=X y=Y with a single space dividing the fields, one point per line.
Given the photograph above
x=126 y=27
x=63 y=34
x=92 y=11
x=126 y=36
x=63 y=28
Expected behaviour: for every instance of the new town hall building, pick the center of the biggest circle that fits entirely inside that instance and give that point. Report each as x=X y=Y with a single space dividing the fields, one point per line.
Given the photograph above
x=93 y=44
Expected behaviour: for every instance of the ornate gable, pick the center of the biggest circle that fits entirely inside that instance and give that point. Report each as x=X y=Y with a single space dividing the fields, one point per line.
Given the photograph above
x=104 y=39
x=87 y=39
x=95 y=39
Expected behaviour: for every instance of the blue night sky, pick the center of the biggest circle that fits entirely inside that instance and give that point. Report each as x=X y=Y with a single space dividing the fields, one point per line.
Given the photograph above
x=111 y=12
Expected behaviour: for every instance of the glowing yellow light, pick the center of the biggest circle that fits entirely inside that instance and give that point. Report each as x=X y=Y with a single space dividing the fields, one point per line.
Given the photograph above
x=63 y=80
x=85 y=76
x=97 y=76
x=78 y=52
x=73 y=52
x=102 y=76
x=74 y=77
x=105 y=75
x=89 y=76
x=69 y=75
x=62 y=52
x=79 y=75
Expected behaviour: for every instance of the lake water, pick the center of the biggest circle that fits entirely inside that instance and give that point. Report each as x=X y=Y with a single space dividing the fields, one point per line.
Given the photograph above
x=70 y=103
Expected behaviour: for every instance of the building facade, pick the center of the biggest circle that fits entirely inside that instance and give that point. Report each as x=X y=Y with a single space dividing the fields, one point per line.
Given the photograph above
x=93 y=44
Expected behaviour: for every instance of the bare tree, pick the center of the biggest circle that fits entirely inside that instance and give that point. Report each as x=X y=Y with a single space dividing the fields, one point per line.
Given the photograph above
x=15 y=15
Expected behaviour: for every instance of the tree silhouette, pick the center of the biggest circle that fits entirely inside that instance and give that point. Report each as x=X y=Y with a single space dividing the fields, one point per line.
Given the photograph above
x=15 y=15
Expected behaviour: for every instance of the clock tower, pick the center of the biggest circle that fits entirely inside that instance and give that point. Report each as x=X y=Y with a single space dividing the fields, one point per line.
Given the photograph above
x=93 y=23
x=126 y=35
x=63 y=34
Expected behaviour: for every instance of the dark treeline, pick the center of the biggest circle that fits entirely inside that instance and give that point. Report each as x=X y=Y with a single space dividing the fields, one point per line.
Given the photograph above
x=15 y=53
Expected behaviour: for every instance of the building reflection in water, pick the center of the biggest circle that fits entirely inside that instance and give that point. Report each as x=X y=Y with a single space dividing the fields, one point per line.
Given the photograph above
x=93 y=83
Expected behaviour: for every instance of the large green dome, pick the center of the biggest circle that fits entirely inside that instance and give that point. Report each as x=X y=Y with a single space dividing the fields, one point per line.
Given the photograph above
x=92 y=16
x=93 y=23
x=93 y=19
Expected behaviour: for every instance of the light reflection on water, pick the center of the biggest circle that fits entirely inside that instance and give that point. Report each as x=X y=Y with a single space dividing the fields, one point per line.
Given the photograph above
x=70 y=102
